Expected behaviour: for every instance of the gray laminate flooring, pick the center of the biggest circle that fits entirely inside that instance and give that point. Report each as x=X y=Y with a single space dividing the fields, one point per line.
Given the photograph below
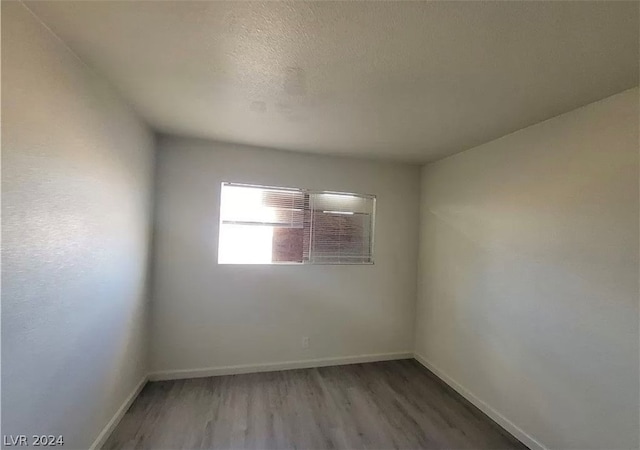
x=384 y=405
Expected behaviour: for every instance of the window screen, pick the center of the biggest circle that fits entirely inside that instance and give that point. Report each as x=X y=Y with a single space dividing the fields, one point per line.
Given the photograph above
x=270 y=225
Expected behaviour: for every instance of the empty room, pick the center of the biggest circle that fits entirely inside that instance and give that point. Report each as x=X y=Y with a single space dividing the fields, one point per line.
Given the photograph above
x=320 y=225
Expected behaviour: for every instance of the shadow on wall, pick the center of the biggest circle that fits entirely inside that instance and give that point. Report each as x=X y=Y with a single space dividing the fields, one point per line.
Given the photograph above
x=517 y=294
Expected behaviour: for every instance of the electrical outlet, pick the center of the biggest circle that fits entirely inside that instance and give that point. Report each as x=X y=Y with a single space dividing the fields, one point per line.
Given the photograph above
x=305 y=341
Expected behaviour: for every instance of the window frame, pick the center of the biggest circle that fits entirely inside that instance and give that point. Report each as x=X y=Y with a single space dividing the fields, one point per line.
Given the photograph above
x=305 y=191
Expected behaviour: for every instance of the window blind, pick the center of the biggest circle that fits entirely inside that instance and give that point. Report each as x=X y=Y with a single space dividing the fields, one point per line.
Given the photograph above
x=251 y=205
x=341 y=228
x=264 y=225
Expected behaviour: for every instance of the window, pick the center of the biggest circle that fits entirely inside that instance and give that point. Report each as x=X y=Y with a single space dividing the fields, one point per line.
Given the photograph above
x=271 y=225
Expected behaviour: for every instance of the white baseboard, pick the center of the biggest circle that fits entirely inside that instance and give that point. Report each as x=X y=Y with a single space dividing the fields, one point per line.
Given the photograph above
x=117 y=417
x=501 y=420
x=270 y=367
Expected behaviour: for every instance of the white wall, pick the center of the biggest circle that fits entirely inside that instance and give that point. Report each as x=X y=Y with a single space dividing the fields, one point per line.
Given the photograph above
x=76 y=178
x=207 y=315
x=528 y=279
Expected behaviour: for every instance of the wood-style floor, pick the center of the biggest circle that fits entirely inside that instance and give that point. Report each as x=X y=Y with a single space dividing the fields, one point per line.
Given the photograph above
x=385 y=405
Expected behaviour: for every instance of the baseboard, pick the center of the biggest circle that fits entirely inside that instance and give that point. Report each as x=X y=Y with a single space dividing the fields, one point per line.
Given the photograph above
x=483 y=406
x=117 y=417
x=270 y=367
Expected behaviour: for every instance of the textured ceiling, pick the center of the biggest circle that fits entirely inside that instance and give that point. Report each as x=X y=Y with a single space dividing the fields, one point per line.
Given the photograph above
x=409 y=81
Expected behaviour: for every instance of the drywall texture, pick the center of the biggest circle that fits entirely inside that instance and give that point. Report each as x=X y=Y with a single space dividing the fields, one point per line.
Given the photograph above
x=207 y=315
x=76 y=177
x=528 y=278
